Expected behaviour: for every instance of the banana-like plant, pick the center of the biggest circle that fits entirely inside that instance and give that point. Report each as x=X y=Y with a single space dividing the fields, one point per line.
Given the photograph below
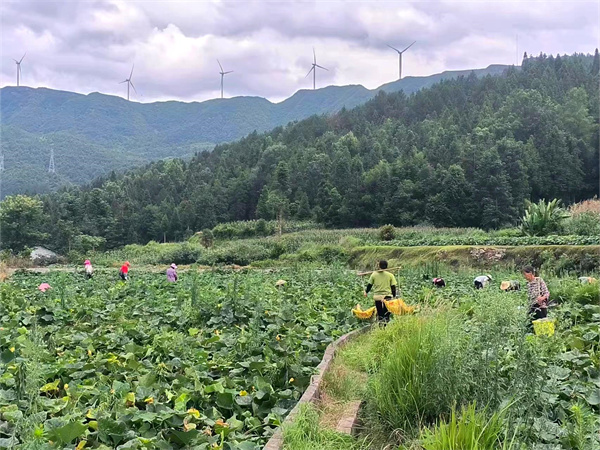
x=543 y=218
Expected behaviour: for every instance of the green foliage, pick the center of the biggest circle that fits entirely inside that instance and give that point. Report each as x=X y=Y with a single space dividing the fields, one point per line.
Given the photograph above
x=397 y=159
x=178 y=358
x=306 y=433
x=543 y=218
x=208 y=238
x=113 y=135
x=21 y=220
x=387 y=233
x=471 y=429
x=584 y=224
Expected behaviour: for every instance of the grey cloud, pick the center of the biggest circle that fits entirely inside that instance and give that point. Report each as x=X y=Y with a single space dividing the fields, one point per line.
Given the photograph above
x=90 y=46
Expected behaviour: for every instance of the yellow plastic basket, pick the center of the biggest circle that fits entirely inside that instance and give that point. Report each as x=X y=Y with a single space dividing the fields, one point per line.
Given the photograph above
x=398 y=307
x=544 y=327
x=360 y=314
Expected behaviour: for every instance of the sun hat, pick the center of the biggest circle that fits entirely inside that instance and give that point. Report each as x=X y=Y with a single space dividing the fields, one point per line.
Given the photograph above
x=174 y=266
x=87 y=262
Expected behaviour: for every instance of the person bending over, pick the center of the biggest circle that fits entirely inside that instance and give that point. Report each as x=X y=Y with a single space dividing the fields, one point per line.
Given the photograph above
x=537 y=293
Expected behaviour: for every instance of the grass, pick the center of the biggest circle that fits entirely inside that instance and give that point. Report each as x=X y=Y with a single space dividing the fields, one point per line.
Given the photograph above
x=306 y=433
x=469 y=430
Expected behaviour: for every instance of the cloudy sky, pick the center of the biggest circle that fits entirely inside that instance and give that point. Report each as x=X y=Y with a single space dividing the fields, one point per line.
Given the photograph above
x=89 y=46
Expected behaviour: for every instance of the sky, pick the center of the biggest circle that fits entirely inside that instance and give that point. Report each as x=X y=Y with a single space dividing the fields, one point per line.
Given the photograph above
x=91 y=46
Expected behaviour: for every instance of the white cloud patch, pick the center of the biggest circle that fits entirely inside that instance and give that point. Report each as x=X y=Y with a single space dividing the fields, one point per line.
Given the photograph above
x=91 y=45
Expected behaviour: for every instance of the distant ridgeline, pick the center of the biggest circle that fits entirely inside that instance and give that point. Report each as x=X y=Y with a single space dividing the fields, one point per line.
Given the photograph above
x=465 y=152
x=95 y=134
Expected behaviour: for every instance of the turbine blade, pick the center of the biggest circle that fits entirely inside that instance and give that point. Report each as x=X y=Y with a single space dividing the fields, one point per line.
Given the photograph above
x=408 y=47
x=311 y=69
x=229 y=71
x=22 y=58
x=131 y=72
x=220 y=65
x=393 y=48
x=321 y=67
x=314 y=55
x=132 y=86
x=124 y=81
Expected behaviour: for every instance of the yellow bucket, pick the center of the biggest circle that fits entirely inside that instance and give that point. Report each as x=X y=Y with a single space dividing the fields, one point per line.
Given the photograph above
x=360 y=314
x=544 y=327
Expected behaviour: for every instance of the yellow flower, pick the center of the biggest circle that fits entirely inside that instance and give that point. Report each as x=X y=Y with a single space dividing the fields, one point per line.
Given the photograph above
x=207 y=431
x=243 y=393
x=66 y=386
x=292 y=380
x=80 y=445
x=149 y=400
x=194 y=412
x=221 y=423
x=12 y=349
x=278 y=337
x=89 y=352
x=217 y=332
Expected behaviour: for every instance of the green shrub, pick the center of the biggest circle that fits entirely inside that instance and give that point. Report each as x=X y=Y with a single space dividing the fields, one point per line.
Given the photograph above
x=473 y=430
x=387 y=233
x=543 y=218
x=584 y=224
x=207 y=239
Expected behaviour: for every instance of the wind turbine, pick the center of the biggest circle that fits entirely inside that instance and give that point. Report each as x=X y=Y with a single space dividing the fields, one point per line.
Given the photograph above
x=400 y=58
x=223 y=73
x=129 y=83
x=18 y=68
x=313 y=69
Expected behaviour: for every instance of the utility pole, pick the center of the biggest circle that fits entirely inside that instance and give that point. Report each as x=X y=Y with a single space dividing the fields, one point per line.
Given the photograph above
x=51 y=167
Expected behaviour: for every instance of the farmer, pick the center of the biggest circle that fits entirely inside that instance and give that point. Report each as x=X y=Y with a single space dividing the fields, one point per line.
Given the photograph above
x=172 y=273
x=511 y=285
x=482 y=281
x=124 y=271
x=384 y=287
x=439 y=282
x=89 y=270
x=537 y=293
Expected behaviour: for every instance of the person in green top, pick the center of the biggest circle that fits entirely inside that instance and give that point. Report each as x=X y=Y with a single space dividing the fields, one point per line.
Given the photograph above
x=384 y=287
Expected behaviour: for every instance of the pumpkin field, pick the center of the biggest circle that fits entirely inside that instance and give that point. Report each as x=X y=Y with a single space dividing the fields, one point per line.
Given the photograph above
x=217 y=360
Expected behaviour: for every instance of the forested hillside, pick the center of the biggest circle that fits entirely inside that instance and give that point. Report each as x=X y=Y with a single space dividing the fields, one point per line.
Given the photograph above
x=92 y=135
x=466 y=153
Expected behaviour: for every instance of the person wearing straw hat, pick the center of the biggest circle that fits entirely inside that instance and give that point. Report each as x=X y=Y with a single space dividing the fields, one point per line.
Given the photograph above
x=89 y=270
x=172 y=273
x=511 y=285
x=384 y=286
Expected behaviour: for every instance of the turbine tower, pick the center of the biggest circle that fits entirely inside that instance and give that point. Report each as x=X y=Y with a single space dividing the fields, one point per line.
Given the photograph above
x=223 y=73
x=2 y=162
x=313 y=69
x=129 y=83
x=51 y=167
x=400 y=58
x=19 y=68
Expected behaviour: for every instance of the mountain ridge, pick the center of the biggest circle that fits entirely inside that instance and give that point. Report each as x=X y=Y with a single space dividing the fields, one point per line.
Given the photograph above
x=82 y=127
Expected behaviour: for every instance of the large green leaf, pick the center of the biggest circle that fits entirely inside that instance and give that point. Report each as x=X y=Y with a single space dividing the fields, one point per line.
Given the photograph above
x=67 y=433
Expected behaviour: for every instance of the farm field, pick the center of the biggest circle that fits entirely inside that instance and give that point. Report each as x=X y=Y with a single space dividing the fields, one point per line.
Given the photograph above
x=464 y=373
x=218 y=359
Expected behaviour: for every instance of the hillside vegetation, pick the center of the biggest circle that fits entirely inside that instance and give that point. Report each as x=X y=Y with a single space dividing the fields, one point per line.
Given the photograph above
x=95 y=134
x=463 y=153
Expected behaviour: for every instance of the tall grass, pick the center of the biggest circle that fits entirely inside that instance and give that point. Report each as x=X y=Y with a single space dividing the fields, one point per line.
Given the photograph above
x=419 y=377
x=471 y=430
x=305 y=433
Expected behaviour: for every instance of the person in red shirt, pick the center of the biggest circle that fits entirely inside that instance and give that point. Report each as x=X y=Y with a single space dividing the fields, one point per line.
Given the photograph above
x=124 y=272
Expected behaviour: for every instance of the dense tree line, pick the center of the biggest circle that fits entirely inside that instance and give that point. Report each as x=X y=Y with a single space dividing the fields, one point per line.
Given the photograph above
x=466 y=152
